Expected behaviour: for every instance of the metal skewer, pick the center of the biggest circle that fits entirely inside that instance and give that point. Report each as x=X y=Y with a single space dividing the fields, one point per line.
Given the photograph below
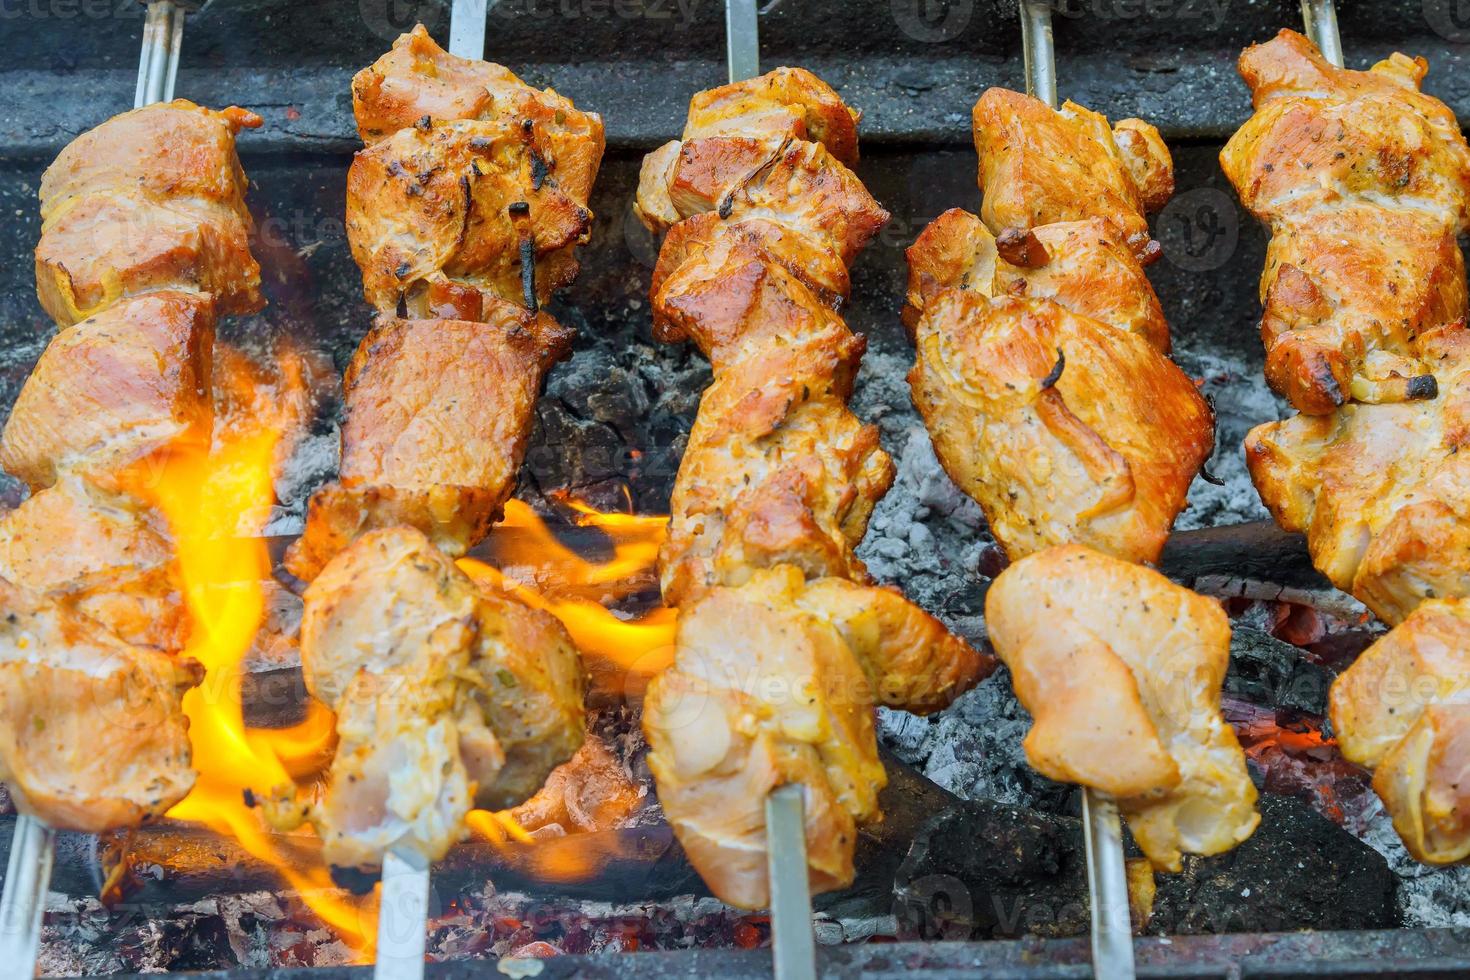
x=793 y=945
x=403 y=900
x=1320 y=19
x=1107 y=882
x=33 y=844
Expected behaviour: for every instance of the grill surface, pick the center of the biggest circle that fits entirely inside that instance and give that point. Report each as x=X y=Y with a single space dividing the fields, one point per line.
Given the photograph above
x=637 y=63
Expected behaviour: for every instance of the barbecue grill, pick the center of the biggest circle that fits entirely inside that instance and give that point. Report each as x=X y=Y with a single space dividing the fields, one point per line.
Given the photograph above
x=978 y=869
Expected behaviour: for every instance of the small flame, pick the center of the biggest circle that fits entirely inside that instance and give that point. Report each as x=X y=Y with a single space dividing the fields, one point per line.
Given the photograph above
x=574 y=858
x=216 y=504
x=572 y=588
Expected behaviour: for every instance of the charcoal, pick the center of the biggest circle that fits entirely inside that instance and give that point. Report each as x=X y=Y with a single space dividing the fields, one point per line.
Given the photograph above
x=1267 y=672
x=1298 y=870
x=988 y=870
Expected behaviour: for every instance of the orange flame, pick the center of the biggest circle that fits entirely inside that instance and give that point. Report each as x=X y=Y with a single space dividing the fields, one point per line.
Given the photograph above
x=575 y=858
x=572 y=588
x=216 y=503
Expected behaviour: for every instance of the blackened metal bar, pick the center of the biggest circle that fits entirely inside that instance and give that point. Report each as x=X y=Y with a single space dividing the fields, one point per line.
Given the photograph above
x=793 y=946
x=1320 y=19
x=1038 y=49
x=742 y=39
x=23 y=904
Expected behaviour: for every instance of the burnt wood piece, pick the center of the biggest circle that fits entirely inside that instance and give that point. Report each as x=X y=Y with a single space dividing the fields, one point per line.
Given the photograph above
x=175 y=863
x=1272 y=673
x=987 y=870
x=1422 y=954
x=1258 y=551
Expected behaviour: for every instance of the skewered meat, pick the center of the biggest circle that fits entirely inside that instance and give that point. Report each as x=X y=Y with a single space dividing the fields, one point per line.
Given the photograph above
x=447 y=696
x=150 y=199
x=67 y=686
x=1084 y=266
x=774 y=683
x=1380 y=490
x=782 y=648
x=1364 y=182
x=1041 y=370
x=1040 y=166
x=471 y=691
x=103 y=553
x=471 y=180
x=1403 y=709
x=1061 y=427
x=1121 y=670
x=114 y=390
x=419 y=447
x=144 y=240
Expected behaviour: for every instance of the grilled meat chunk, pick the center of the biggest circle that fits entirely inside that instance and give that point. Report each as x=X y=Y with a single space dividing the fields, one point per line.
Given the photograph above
x=1061 y=427
x=1084 y=266
x=1040 y=166
x=114 y=390
x=1364 y=182
x=436 y=418
x=777 y=468
x=774 y=683
x=1121 y=670
x=782 y=649
x=469 y=174
x=447 y=696
x=102 y=553
x=1380 y=491
x=1403 y=709
x=67 y=686
x=150 y=199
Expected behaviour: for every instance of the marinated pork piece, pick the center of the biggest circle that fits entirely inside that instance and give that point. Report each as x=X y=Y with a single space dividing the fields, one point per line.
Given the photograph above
x=467 y=174
x=151 y=199
x=102 y=553
x=115 y=390
x=447 y=697
x=1084 y=266
x=777 y=468
x=1364 y=182
x=1040 y=166
x=1403 y=710
x=67 y=686
x=774 y=683
x=1061 y=427
x=1121 y=670
x=435 y=422
x=782 y=649
x=1382 y=492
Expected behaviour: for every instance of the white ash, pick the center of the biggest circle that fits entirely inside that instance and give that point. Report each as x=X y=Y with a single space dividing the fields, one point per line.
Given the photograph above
x=1240 y=402
x=1429 y=897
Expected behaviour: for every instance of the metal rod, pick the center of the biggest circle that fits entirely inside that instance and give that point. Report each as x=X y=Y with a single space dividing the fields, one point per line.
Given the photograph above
x=403 y=916
x=1039 y=51
x=467 y=29
x=158 y=63
x=794 y=949
x=742 y=39
x=1320 y=18
x=23 y=903
x=1107 y=884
